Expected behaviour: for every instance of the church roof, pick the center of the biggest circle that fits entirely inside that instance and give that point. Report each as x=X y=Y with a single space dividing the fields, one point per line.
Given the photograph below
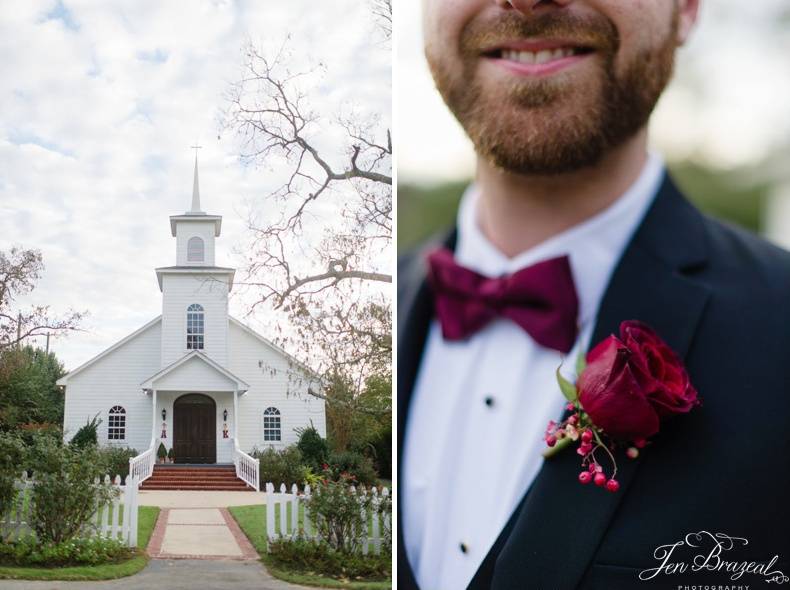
x=240 y=383
x=217 y=219
x=64 y=380
x=203 y=270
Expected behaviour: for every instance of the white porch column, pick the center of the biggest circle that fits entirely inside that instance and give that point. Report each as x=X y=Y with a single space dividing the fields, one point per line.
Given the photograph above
x=153 y=416
x=236 y=414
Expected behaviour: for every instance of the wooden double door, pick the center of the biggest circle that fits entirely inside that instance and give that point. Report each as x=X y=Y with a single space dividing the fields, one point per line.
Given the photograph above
x=195 y=429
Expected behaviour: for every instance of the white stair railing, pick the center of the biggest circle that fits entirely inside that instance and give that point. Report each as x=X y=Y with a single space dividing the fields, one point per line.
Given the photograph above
x=141 y=467
x=247 y=468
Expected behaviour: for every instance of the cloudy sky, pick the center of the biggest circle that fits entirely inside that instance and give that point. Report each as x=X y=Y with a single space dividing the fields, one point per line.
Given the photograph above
x=99 y=104
x=728 y=105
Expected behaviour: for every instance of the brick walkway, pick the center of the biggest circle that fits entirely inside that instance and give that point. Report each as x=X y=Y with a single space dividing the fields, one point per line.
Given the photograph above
x=199 y=533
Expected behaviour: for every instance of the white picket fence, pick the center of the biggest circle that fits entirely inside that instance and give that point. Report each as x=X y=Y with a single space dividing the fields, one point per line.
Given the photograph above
x=292 y=525
x=115 y=520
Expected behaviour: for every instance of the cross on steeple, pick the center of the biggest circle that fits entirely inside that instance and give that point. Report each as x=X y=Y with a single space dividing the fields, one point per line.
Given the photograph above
x=195 y=187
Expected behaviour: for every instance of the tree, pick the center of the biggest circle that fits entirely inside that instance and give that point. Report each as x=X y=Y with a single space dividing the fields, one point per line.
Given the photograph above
x=320 y=242
x=28 y=394
x=19 y=271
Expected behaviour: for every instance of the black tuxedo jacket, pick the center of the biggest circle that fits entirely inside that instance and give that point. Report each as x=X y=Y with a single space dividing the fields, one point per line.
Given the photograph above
x=721 y=298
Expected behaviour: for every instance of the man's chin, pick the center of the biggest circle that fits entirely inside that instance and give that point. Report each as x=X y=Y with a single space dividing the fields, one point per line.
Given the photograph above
x=548 y=140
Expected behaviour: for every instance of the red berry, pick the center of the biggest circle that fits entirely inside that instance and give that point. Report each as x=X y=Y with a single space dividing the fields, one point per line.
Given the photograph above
x=551 y=440
x=640 y=443
x=585 y=477
x=612 y=485
x=632 y=452
x=587 y=436
x=573 y=419
x=600 y=479
x=570 y=407
x=581 y=451
x=592 y=468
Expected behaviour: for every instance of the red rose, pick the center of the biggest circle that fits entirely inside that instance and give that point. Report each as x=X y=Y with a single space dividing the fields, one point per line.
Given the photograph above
x=631 y=382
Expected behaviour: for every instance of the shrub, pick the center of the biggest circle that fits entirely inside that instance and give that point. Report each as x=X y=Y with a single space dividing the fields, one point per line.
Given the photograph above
x=282 y=467
x=161 y=452
x=77 y=551
x=64 y=494
x=87 y=435
x=171 y=454
x=355 y=464
x=117 y=460
x=336 y=514
x=379 y=448
x=315 y=450
x=12 y=460
x=303 y=555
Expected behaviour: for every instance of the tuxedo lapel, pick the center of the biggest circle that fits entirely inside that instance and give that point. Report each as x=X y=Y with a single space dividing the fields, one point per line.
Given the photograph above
x=562 y=522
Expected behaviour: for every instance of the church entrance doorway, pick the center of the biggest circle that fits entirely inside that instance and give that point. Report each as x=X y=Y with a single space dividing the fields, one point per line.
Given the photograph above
x=195 y=429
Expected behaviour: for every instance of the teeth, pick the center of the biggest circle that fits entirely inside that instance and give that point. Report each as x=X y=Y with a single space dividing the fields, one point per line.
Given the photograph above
x=540 y=57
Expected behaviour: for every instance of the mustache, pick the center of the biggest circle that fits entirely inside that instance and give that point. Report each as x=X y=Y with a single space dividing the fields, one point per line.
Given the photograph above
x=592 y=31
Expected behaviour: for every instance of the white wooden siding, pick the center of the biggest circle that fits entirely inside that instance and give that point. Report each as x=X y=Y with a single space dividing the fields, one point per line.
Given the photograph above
x=115 y=380
x=194 y=375
x=200 y=229
x=179 y=291
x=268 y=389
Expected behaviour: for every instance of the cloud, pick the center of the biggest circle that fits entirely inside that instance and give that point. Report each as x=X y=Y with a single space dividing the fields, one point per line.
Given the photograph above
x=99 y=106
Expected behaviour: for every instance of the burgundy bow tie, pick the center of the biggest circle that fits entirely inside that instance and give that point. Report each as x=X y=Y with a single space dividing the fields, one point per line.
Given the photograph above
x=540 y=298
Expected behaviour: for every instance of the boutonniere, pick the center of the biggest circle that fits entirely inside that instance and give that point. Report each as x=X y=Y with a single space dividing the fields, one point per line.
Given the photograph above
x=624 y=387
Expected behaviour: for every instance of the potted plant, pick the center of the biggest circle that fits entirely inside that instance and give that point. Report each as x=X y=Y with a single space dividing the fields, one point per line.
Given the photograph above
x=171 y=456
x=161 y=452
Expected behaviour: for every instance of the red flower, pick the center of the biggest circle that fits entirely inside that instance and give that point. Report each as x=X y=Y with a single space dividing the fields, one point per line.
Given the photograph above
x=631 y=382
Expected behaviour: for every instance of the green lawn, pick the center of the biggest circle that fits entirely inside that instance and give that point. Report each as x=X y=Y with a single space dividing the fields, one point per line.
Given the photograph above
x=252 y=520
x=146 y=519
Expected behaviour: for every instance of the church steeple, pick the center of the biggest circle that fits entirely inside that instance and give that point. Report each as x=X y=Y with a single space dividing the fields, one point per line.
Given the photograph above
x=195 y=230
x=196 y=187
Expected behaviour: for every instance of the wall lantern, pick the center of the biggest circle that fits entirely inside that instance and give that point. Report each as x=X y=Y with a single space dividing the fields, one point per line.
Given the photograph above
x=225 y=415
x=164 y=414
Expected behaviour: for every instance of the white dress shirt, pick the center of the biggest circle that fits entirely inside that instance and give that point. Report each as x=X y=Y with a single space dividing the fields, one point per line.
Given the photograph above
x=479 y=409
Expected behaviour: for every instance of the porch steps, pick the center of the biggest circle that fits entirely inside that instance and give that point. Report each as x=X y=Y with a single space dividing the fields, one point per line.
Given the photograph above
x=195 y=477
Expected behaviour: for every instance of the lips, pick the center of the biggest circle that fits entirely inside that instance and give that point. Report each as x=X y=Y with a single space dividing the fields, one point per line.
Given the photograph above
x=538 y=56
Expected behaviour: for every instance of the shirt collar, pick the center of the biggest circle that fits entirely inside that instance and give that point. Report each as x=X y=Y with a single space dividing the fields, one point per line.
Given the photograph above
x=593 y=246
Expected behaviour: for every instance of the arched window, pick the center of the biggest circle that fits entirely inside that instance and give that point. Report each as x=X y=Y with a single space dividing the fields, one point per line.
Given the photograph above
x=195 y=250
x=195 y=327
x=116 y=425
x=271 y=424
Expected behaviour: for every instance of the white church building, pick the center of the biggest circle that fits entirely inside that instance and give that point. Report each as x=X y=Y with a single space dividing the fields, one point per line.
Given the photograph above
x=194 y=378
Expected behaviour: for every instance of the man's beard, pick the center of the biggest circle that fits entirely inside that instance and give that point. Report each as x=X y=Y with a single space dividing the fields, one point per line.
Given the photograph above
x=533 y=127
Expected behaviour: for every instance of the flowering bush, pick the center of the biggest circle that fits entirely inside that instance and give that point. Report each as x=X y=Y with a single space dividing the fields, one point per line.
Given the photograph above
x=283 y=466
x=64 y=493
x=355 y=464
x=336 y=513
x=303 y=555
x=77 y=551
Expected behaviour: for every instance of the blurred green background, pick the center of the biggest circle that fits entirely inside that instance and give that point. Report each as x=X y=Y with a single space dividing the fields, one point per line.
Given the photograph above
x=425 y=209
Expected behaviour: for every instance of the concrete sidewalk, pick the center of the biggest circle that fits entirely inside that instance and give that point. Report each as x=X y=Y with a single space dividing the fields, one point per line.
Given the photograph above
x=199 y=533
x=191 y=499
x=179 y=574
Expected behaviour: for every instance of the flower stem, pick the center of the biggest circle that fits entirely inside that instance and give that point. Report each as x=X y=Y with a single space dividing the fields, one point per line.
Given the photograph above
x=608 y=452
x=561 y=444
